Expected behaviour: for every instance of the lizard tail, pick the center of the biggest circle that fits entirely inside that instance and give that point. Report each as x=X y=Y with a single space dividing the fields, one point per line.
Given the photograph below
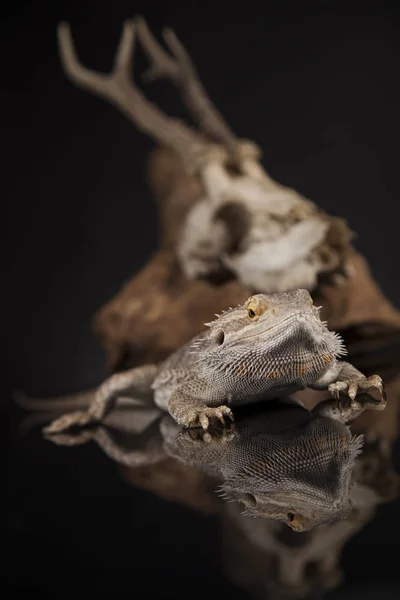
x=67 y=403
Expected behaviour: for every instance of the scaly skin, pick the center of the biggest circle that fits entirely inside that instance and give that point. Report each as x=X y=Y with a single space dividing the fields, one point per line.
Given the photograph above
x=273 y=345
x=280 y=461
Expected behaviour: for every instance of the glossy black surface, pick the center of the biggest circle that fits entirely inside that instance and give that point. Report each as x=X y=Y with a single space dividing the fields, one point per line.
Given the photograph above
x=317 y=86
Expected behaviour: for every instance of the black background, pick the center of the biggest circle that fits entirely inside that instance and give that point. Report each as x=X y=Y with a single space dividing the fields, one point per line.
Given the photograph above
x=316 y=85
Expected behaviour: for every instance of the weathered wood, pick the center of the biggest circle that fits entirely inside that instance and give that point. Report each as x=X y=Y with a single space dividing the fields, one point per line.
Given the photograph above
x=159 y=309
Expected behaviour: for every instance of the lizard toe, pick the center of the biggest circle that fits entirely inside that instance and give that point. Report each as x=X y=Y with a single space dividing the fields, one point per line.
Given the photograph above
x=373 y=382
x=205 y=416
x=224 y=414
x=207 y=437
x=204 y=420
x=336 y=388
x=352 y=390
x=355 y=404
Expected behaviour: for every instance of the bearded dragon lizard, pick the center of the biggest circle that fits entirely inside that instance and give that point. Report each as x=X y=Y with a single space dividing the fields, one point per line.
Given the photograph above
x=272 y=345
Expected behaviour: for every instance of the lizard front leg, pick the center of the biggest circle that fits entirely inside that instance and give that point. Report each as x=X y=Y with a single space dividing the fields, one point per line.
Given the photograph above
x=342 y=377
x=190 y=411
x=346 y=409
x=135 y=382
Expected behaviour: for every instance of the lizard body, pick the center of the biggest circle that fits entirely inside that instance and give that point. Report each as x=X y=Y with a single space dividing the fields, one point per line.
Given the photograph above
x=272 y=345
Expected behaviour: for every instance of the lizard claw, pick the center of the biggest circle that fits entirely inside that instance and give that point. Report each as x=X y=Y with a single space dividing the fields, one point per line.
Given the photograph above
x=364 y=402
x=226 y=435
x=355 y=386
x=204 y=415
x=78 y=418
x=214 y=435
x=352 y=390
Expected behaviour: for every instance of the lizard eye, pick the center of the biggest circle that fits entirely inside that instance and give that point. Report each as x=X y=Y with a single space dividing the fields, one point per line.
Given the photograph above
x=291 y=517
x=255 y=308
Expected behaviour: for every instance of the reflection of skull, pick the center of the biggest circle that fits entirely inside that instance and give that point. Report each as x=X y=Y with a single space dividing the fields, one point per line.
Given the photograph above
x=266 y=557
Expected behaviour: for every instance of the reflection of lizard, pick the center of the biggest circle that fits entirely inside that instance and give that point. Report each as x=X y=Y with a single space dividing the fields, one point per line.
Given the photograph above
x=262 y=555
x=274 y=344
x=281 y=461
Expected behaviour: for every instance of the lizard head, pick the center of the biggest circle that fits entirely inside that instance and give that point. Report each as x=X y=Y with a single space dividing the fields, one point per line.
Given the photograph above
x=279 y=326
x=303 y=480
x=299 y=516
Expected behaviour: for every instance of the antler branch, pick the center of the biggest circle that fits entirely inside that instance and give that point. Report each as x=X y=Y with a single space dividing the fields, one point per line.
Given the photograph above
x=182 y=72
x=118 y=88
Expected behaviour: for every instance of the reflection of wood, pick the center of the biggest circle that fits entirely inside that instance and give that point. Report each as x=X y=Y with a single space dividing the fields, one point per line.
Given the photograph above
x=174 y=482
x=158 y=309
x=270 y=561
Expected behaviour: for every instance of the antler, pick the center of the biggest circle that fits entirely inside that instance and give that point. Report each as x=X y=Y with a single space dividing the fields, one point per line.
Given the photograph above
x=118 y=88
x=182 y=72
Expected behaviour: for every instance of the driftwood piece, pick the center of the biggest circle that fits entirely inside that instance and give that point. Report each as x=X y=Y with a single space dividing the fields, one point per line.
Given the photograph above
x=175 y=311
x=159 y=308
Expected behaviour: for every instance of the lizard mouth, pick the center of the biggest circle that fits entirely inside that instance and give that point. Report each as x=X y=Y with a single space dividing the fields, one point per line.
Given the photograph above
x=328 y=509
x=312 y=511
x=318 y=499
